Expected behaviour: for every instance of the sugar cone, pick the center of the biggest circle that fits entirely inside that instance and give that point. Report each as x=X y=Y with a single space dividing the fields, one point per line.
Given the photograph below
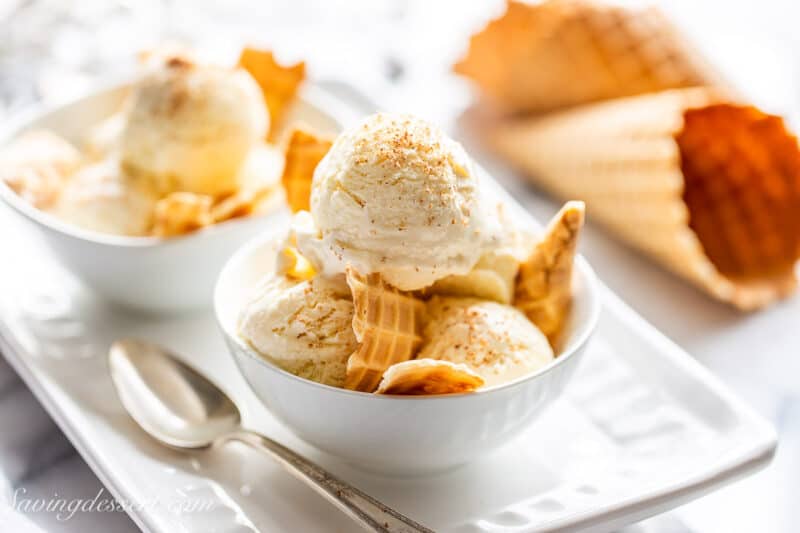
x=710 y=189
x=387 y=326
x=427 y=377
x=562 y=53
x=544 y=284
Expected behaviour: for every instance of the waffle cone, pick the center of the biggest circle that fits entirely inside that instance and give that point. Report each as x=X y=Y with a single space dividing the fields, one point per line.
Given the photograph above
x=279 y=84
x=544 y=284
x=386 y=322
x=304 y=151
x=563 y=53
x=179 y=213
x=428 y=376
x=708 y=188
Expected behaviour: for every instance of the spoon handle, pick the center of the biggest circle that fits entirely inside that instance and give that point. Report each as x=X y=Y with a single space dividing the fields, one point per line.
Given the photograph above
x=367 y=511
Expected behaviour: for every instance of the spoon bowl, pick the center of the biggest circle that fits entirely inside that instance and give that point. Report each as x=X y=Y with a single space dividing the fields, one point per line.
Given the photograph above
x=179 y=407
x=170 y=400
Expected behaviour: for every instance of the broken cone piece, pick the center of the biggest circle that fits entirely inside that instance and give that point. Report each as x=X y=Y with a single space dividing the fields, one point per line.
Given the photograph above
x=387 y=325
x=419 y=377
x=544 y=283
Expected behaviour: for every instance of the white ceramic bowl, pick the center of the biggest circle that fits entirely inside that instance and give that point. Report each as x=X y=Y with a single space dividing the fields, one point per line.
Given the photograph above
x=392 y=434
x=147 y=273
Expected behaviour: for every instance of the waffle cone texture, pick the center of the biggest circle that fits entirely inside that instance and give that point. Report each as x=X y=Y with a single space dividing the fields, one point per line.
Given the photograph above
x=562 y=53
x=419 y=377
x=543 y=289
x=707 y=187
x=387 y=325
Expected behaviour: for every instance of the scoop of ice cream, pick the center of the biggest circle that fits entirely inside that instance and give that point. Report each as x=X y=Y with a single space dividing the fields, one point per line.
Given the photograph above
x=190 y=127
x=99 y=197
x=495 y=340
x=395 y=195
x=494 y=275
x=304 y=327
x=36 y=166
x=492 y=278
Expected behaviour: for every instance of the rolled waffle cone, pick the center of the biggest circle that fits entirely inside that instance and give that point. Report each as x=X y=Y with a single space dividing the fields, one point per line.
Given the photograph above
x=709 y=188
x=303 y=153
x=544 y=284
x=386 y=322
x=419 y=377
x=562 y=53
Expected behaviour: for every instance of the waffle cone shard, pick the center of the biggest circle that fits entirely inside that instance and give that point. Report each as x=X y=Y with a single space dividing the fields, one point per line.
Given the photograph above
x=279 y=84
x=386 y=323
x=419 y=377
x=179 y=213
x=242 y=203
x=303 y=153
x=561 y=53
x=544 y=283
x=622 y=158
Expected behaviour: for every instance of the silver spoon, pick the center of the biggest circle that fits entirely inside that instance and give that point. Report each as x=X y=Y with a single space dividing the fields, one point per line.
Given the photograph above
x=180 y=408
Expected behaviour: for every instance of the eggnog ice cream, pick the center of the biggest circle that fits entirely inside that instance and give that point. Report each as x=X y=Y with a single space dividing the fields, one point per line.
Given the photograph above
x=395 y=195
x=495 y=340
x=100 y=198
x=190 y=127
x=304 y=327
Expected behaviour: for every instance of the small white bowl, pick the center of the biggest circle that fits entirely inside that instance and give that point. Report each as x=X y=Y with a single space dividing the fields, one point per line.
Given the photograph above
x=393 y=434
x=147 y=273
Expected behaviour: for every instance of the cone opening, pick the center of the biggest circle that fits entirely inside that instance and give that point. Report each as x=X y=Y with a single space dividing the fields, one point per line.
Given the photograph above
x=741 y=172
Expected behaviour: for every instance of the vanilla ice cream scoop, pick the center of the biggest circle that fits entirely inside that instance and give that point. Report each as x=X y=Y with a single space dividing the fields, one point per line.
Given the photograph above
x=395 y=195
x=190 y=127
x=304 y=327
x=494 y=275
x=36 y=166
x=99 y=197
x=495 y=340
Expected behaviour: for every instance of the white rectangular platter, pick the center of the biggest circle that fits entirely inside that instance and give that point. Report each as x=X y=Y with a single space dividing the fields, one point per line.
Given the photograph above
x=641 y=429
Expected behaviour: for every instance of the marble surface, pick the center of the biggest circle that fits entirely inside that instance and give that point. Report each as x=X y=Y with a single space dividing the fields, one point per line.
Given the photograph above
x=398 y=53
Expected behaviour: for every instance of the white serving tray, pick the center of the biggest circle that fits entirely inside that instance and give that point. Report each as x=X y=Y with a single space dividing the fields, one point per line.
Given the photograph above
x=641 y=429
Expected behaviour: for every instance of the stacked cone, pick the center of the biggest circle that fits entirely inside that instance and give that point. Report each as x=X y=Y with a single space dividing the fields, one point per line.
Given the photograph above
x=708 y=187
